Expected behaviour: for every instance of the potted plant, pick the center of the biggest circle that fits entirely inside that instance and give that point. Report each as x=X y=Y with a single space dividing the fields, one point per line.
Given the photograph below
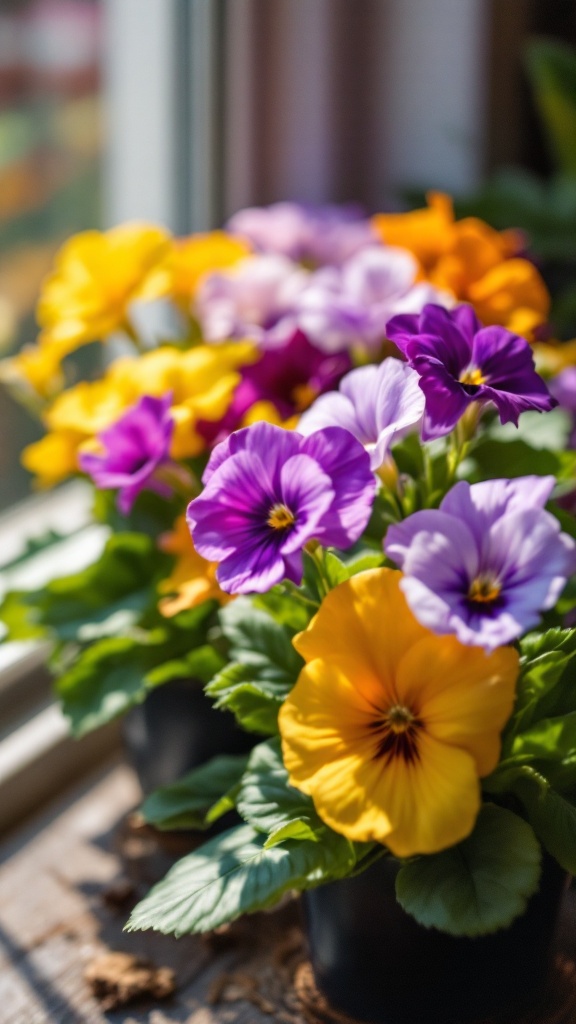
x=404 y=569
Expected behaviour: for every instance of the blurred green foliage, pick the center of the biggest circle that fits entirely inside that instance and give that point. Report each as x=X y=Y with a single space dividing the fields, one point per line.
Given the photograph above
x=544 y=209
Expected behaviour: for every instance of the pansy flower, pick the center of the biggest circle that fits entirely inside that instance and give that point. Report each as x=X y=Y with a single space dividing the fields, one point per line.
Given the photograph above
x=287 y=378
x=389 y=727
x=378 y=404
x=314 y=235
x=486 y=563
x=254 y=299
x=461 y=362
x=268 y=492
x=347 y=306
x=135 y=447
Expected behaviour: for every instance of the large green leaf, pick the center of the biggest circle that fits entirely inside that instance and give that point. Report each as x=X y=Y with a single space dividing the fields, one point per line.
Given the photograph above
x=543 y=681
x=264 y=666
x=478 y=886
x=552 y=69
x=552 y=817
x=186 y=803
x=495 y=458
x=255 y=705
x=550 y=739
x=270 y=805
x=108 y=677
x=256 y=639
x=235 y=874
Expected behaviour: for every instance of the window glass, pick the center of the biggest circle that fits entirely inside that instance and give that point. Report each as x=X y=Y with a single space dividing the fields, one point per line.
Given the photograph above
x=50 y=147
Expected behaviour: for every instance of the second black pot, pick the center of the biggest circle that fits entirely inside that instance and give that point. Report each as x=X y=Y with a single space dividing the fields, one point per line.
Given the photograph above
x=175 y=729
x=373 y=961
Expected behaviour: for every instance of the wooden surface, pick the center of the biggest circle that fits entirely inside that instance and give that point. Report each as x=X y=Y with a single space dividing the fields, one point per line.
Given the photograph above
x=65 y=893
x=67 y=883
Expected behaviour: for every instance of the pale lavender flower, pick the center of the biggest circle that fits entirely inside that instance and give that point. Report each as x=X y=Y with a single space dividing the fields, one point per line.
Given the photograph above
x=317 y=235
x=268 y=492
x=350 y=306
x=486 y=563
x=136 y=446
x=254 y=299
x=377 y=404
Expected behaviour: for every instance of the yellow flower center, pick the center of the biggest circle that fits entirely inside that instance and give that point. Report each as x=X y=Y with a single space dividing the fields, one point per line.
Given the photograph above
x=397 y=733
x=473 y=376
x=484 y=589
x=280 y=517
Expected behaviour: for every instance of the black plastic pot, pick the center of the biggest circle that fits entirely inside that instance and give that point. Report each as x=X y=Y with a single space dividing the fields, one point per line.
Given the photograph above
x=176 y=729
x=374 y=962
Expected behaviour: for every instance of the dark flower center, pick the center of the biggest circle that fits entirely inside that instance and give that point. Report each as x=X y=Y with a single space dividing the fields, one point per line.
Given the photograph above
x=280 y=517
x=397 y=734
x=484 y=589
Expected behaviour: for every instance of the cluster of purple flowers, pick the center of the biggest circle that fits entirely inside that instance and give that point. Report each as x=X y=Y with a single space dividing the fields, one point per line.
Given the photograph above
x=487 y=562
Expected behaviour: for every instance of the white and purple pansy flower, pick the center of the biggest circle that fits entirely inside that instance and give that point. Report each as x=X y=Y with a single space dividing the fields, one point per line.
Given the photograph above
x=377 y=404
x=486 y=563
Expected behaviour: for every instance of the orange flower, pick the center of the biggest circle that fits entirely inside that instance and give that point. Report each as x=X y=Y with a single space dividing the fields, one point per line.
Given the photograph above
x=193 y=579
x=473 y=261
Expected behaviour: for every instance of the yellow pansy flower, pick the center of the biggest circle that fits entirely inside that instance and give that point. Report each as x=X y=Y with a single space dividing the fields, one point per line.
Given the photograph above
x=193 y=579
x=551 y=357
x=97 y=275
x=53 y=458
x=192 y=258
x=390 y=727
x=202 y=381
x=473 y=261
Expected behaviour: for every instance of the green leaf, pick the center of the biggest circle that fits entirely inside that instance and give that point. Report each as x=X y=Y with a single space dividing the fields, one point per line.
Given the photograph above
x=255 y=705
x=299 y=828
x=335 y=570
x=108 y=677
x=256 y=639
x=200 y=663
x=266 y=800
x=187 y=802
x=478 y=886
x=551 y=66
x=264 y=667
x=552 y=817
x=231 y=875
x=544 y=660
x=495 y=458
x=549 y=739
x=18 y=618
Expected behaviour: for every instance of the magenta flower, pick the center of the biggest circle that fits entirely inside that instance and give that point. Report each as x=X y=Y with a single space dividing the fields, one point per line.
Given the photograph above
x=315 y=235
x=288 y=375
x=135 y=447
x=377 y=404
x=486 y=563
x=268 y=492
x=347 y=306
x=460 y=362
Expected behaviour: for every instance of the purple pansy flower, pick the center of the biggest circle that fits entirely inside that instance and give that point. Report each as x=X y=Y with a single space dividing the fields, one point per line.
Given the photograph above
x=315 y=235
x=461 y=362
x=254 y=299
x=135 y=447
x=378 y=404
x=486 y=563
x=563 y=388
x=288 y=375
x=268 y=492
x=351 y=305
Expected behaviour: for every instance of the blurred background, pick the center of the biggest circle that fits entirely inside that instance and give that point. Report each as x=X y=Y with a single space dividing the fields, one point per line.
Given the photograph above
x=183 y=111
